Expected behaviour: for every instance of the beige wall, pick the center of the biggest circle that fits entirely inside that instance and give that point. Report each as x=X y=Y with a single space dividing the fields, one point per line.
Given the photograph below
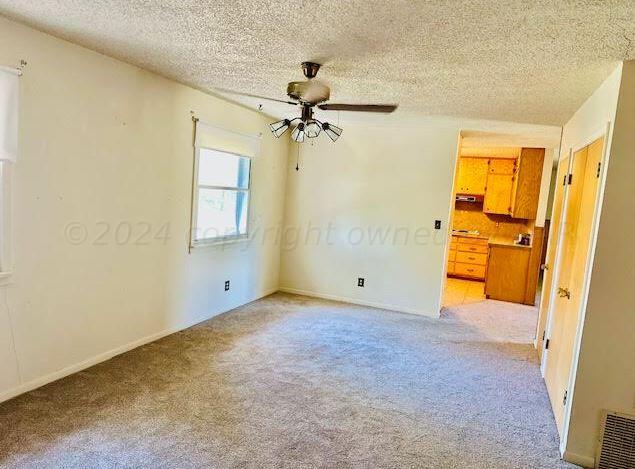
x=394 y=179
x=103 y=141
x=588 y=121
x=605 y=377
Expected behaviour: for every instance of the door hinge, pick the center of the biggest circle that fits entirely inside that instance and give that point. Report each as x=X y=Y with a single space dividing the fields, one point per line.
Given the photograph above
x=570 y=178
x=547 y=344
x=564 y=398
x=543 y=335
x=599 y=167
x=564 y=180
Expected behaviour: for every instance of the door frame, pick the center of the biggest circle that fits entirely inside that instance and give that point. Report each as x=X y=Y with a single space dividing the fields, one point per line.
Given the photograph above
x=605 y=132
x=450 y=219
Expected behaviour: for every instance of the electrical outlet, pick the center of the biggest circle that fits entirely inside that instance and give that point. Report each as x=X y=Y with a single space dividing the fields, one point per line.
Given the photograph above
x=360 y=282
x=226 y=285
x=437 y=224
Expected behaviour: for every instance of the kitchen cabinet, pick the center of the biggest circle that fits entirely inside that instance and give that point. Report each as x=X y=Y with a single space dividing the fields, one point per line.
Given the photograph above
x=507 y=270
x=472 y=177
x=513 y=186
x=500 y=186
x=527 y=181
x=468 y=257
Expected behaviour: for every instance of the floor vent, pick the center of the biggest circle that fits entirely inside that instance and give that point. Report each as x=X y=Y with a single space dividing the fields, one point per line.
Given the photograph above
x=617 y=442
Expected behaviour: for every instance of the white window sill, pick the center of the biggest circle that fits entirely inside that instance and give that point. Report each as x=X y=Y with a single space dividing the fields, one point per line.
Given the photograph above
x=209 y=243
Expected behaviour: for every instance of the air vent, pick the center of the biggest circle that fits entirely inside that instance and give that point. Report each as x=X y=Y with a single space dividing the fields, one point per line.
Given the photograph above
x=617 y=442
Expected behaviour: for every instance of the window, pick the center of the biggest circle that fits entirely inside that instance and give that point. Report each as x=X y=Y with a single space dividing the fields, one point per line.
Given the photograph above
x=221 y=196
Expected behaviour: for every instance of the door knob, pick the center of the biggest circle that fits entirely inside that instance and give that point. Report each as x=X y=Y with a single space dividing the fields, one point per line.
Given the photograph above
x=564 y=293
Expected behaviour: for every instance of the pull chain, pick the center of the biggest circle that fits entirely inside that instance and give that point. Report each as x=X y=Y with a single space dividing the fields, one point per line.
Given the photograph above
x=297 y=159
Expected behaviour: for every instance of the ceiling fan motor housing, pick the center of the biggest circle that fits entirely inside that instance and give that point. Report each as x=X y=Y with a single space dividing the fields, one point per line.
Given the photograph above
x=310 y=92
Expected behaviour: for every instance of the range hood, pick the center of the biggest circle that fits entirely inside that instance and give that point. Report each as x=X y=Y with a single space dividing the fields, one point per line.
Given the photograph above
x=469 y=198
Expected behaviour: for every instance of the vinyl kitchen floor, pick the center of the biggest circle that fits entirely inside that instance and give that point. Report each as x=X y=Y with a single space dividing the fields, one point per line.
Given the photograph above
x=459 y=292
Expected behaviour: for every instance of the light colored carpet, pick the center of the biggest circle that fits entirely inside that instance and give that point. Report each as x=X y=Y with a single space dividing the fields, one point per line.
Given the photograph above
x=293 y=382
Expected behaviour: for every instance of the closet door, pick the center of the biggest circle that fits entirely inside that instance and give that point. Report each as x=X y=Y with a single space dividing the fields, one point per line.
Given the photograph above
x=554 y=238
x=572 y=272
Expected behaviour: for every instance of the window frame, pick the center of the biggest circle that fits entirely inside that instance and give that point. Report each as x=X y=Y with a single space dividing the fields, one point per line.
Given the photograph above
x=217 y=240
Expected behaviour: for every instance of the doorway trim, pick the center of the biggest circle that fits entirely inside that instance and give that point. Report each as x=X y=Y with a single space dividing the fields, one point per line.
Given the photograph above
x=450 y=221
x=605 y=132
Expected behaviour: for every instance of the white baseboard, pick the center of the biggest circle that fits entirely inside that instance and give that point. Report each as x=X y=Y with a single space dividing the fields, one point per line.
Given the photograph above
x=580 y=460
x=102 y=357
x=356 y=301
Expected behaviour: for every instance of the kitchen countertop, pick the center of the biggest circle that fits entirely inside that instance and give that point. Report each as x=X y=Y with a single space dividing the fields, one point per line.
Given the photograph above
x=495 y=240
x=468 y=235
x=506 y=241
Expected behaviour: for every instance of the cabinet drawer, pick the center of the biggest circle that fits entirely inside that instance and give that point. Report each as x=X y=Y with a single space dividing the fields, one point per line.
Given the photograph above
x=466 y=240
x=451 y=268
x=469 y=270
x=476 y=248
x=471 y=258
x=452 y=256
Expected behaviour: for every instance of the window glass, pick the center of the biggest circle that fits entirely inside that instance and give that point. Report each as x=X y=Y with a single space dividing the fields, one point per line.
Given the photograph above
x=222 y=196
x=216 y=168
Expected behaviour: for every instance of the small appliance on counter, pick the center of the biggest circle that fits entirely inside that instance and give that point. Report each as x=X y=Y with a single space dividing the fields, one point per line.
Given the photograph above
x=524 y=239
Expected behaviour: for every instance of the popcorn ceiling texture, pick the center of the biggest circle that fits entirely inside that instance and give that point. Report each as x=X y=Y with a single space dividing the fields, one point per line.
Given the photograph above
x=520 y=61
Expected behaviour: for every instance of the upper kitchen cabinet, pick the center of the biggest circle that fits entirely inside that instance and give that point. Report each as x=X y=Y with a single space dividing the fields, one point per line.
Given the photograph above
x=472 y=177
x=526 y=187
x=500 y=186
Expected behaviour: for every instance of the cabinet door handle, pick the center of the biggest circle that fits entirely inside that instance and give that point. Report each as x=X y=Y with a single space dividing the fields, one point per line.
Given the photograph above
x=472 y=258
x=564 y=293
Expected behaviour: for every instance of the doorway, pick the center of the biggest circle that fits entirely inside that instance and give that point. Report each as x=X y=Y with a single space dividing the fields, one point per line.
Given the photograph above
x=495 y=237
x=576 y=207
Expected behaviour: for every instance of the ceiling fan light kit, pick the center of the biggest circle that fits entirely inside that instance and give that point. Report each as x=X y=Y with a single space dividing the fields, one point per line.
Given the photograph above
x=309 y=94
x=280 y=127
x=298 y=133
x=332 y=131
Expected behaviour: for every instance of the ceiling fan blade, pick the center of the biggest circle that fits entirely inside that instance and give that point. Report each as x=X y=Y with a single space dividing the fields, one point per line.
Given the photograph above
x=223 y=90
x=385 y=108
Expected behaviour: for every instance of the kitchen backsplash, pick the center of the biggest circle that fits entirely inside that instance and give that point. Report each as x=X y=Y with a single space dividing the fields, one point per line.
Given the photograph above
x=470 y=216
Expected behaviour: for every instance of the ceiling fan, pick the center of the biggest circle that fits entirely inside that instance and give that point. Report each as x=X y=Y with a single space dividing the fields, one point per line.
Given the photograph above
x=309 y=94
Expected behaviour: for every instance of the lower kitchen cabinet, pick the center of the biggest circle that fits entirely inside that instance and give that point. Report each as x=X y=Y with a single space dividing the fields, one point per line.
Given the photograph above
x=507 y=270
x=468 y=257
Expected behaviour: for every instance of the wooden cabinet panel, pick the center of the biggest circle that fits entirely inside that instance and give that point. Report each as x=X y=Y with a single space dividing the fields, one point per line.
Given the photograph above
x=469 y=270
x=478 y=248
x=472 y=177
x=502 y=166
x=498 y=196
x=471 y=258
x=507 y=273
x=452 y=256
x=450 y=268
x=469 y=240
x=526 y=189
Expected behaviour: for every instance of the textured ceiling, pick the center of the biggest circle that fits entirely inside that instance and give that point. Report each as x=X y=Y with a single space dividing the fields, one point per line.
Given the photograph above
x=521 y=61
